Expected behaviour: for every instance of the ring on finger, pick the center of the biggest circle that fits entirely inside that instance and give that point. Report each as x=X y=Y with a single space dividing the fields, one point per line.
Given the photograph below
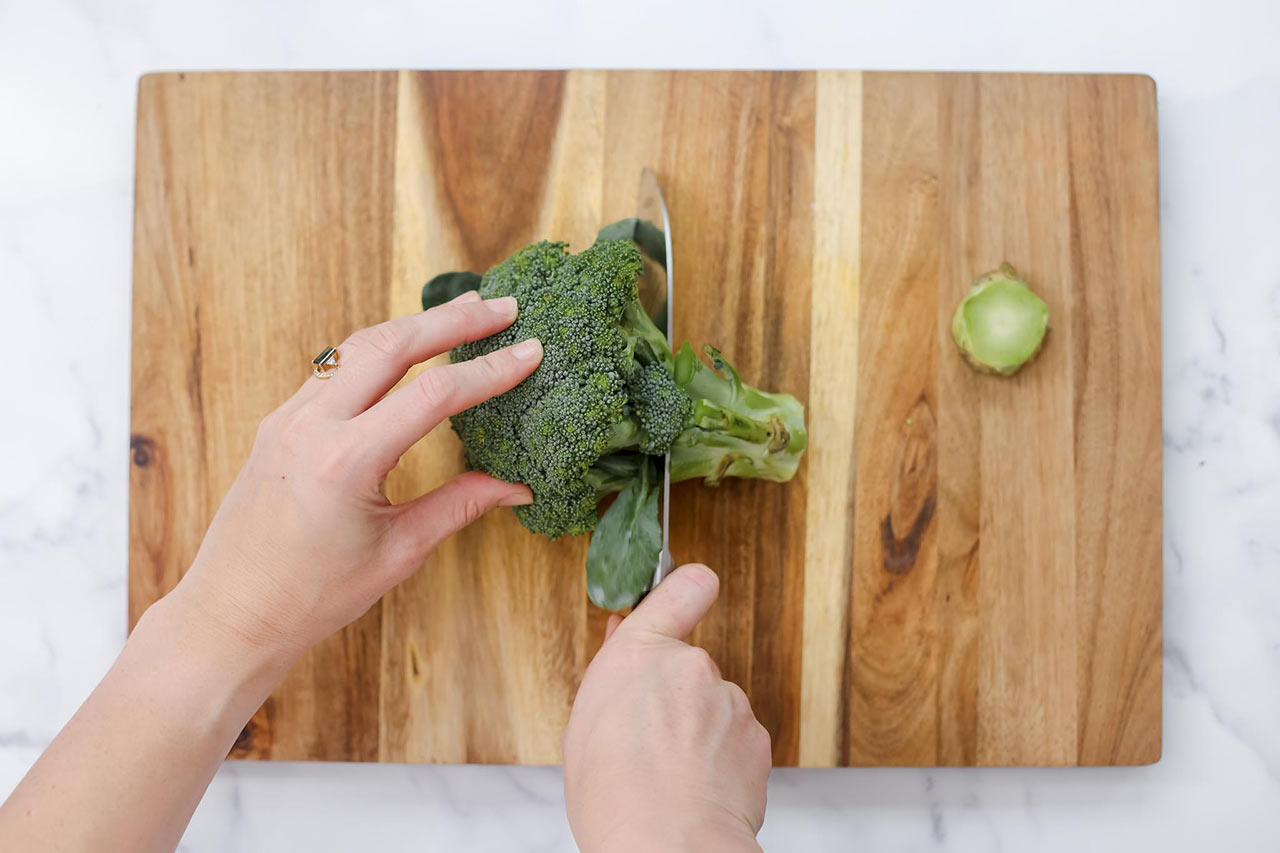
x=326 y=363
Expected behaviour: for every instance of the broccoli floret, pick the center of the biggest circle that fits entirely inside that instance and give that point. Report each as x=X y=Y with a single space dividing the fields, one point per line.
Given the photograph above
x=549 y=430
x=661 y=408
x=609 y=395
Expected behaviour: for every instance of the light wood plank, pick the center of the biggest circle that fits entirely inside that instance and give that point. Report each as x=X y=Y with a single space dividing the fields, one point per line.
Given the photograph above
x=833 y=365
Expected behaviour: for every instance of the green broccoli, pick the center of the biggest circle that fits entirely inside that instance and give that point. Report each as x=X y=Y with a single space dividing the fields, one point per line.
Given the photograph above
x=610 y=395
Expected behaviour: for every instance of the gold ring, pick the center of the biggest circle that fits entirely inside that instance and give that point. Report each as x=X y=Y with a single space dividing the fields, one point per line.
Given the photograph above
x=325 y=363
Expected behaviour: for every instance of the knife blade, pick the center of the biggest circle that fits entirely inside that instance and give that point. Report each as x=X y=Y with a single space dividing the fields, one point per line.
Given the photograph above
x=656 y=295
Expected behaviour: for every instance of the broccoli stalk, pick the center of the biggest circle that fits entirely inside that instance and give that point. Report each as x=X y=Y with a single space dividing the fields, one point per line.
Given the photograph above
x=608 y=397
x=730 y=429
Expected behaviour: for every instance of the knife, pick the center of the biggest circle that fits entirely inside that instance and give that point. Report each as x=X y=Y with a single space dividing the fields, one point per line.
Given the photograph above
x=656 y=295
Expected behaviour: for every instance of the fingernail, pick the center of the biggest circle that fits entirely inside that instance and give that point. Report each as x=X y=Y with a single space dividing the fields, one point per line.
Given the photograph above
x=517 y=499
x=701 y=574
x=527 y=350
x=504 y=305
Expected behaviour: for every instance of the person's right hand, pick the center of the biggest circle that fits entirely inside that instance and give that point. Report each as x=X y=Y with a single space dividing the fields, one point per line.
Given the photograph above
x=660 y=752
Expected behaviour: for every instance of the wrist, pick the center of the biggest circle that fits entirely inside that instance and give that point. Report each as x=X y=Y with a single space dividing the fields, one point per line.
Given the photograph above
x=202 y=662
x=680 y=835
x=263 y=634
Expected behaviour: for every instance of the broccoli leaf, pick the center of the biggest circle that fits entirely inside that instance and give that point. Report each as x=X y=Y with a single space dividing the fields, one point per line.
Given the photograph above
x=448 y=286
x=625 y=546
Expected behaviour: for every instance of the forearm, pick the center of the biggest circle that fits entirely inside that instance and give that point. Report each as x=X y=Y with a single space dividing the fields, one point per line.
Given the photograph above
x=128 y=770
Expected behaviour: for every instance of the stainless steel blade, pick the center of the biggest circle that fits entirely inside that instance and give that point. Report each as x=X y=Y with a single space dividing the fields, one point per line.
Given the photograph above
x=656 y=294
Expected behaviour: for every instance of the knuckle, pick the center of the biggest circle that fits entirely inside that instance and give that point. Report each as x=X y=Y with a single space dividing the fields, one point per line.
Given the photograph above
x=738 y=698
x=697 y=664
x=268 y=428
x=763 y=740
x=282 y=430
x=436 y=385
x=384 y=339
x=467 y=510
x=492 y=368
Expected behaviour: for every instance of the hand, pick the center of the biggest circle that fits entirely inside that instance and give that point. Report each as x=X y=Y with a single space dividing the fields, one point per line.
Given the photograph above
x=660 y=752
x=305 y=540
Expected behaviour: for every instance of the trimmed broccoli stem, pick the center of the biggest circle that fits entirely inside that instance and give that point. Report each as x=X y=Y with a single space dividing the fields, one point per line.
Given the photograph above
x=749 y=449
x=737 y=430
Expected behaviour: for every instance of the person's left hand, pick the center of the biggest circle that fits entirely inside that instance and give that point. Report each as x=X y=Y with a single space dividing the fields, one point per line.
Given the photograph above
x=305 y=540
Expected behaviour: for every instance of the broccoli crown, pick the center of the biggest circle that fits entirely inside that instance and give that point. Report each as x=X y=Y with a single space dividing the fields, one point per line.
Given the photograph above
x=662 y=409
x=549 y=430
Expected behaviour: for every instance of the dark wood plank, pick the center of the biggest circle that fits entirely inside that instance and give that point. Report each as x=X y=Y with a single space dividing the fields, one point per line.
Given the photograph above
x=892 y=668
x=959 y=426
x=735 y=161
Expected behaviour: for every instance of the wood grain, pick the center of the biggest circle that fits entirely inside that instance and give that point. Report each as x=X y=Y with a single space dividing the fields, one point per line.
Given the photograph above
x=522 y=138
x=830 y=466
x=243 y=184
x=966 y=570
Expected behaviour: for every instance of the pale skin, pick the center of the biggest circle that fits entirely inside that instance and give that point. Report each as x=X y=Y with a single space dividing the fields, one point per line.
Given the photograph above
x=660 y=752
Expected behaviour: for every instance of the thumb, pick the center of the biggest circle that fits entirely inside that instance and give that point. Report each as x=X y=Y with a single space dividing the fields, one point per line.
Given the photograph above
x=427 y=521
x=677 y=604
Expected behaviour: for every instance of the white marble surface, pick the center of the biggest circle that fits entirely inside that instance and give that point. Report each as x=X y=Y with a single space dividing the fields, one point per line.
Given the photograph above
x=68 y=72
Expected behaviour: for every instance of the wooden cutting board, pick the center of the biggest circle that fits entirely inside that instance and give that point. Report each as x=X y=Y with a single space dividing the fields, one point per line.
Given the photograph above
x=967 y=570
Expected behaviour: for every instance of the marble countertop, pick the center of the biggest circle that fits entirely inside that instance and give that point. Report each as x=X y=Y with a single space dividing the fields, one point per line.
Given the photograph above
x=68 y=76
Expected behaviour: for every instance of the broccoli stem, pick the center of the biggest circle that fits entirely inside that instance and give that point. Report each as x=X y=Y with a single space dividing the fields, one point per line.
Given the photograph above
x=737 y=430
x=627 y=433
x=762 y=450
x=613 y=472
x=647 y=342
x=734 y=430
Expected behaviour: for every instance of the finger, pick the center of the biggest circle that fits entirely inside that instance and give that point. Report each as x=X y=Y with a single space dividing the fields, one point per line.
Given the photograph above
x=676 y=605
x=425 y=522
x=612 y=625
x=374 y=359
x=308 y=389
x=396 y=422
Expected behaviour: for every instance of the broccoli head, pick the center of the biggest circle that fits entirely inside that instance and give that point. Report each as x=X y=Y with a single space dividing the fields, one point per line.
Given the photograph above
x=609 y=395
x=548 y=431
